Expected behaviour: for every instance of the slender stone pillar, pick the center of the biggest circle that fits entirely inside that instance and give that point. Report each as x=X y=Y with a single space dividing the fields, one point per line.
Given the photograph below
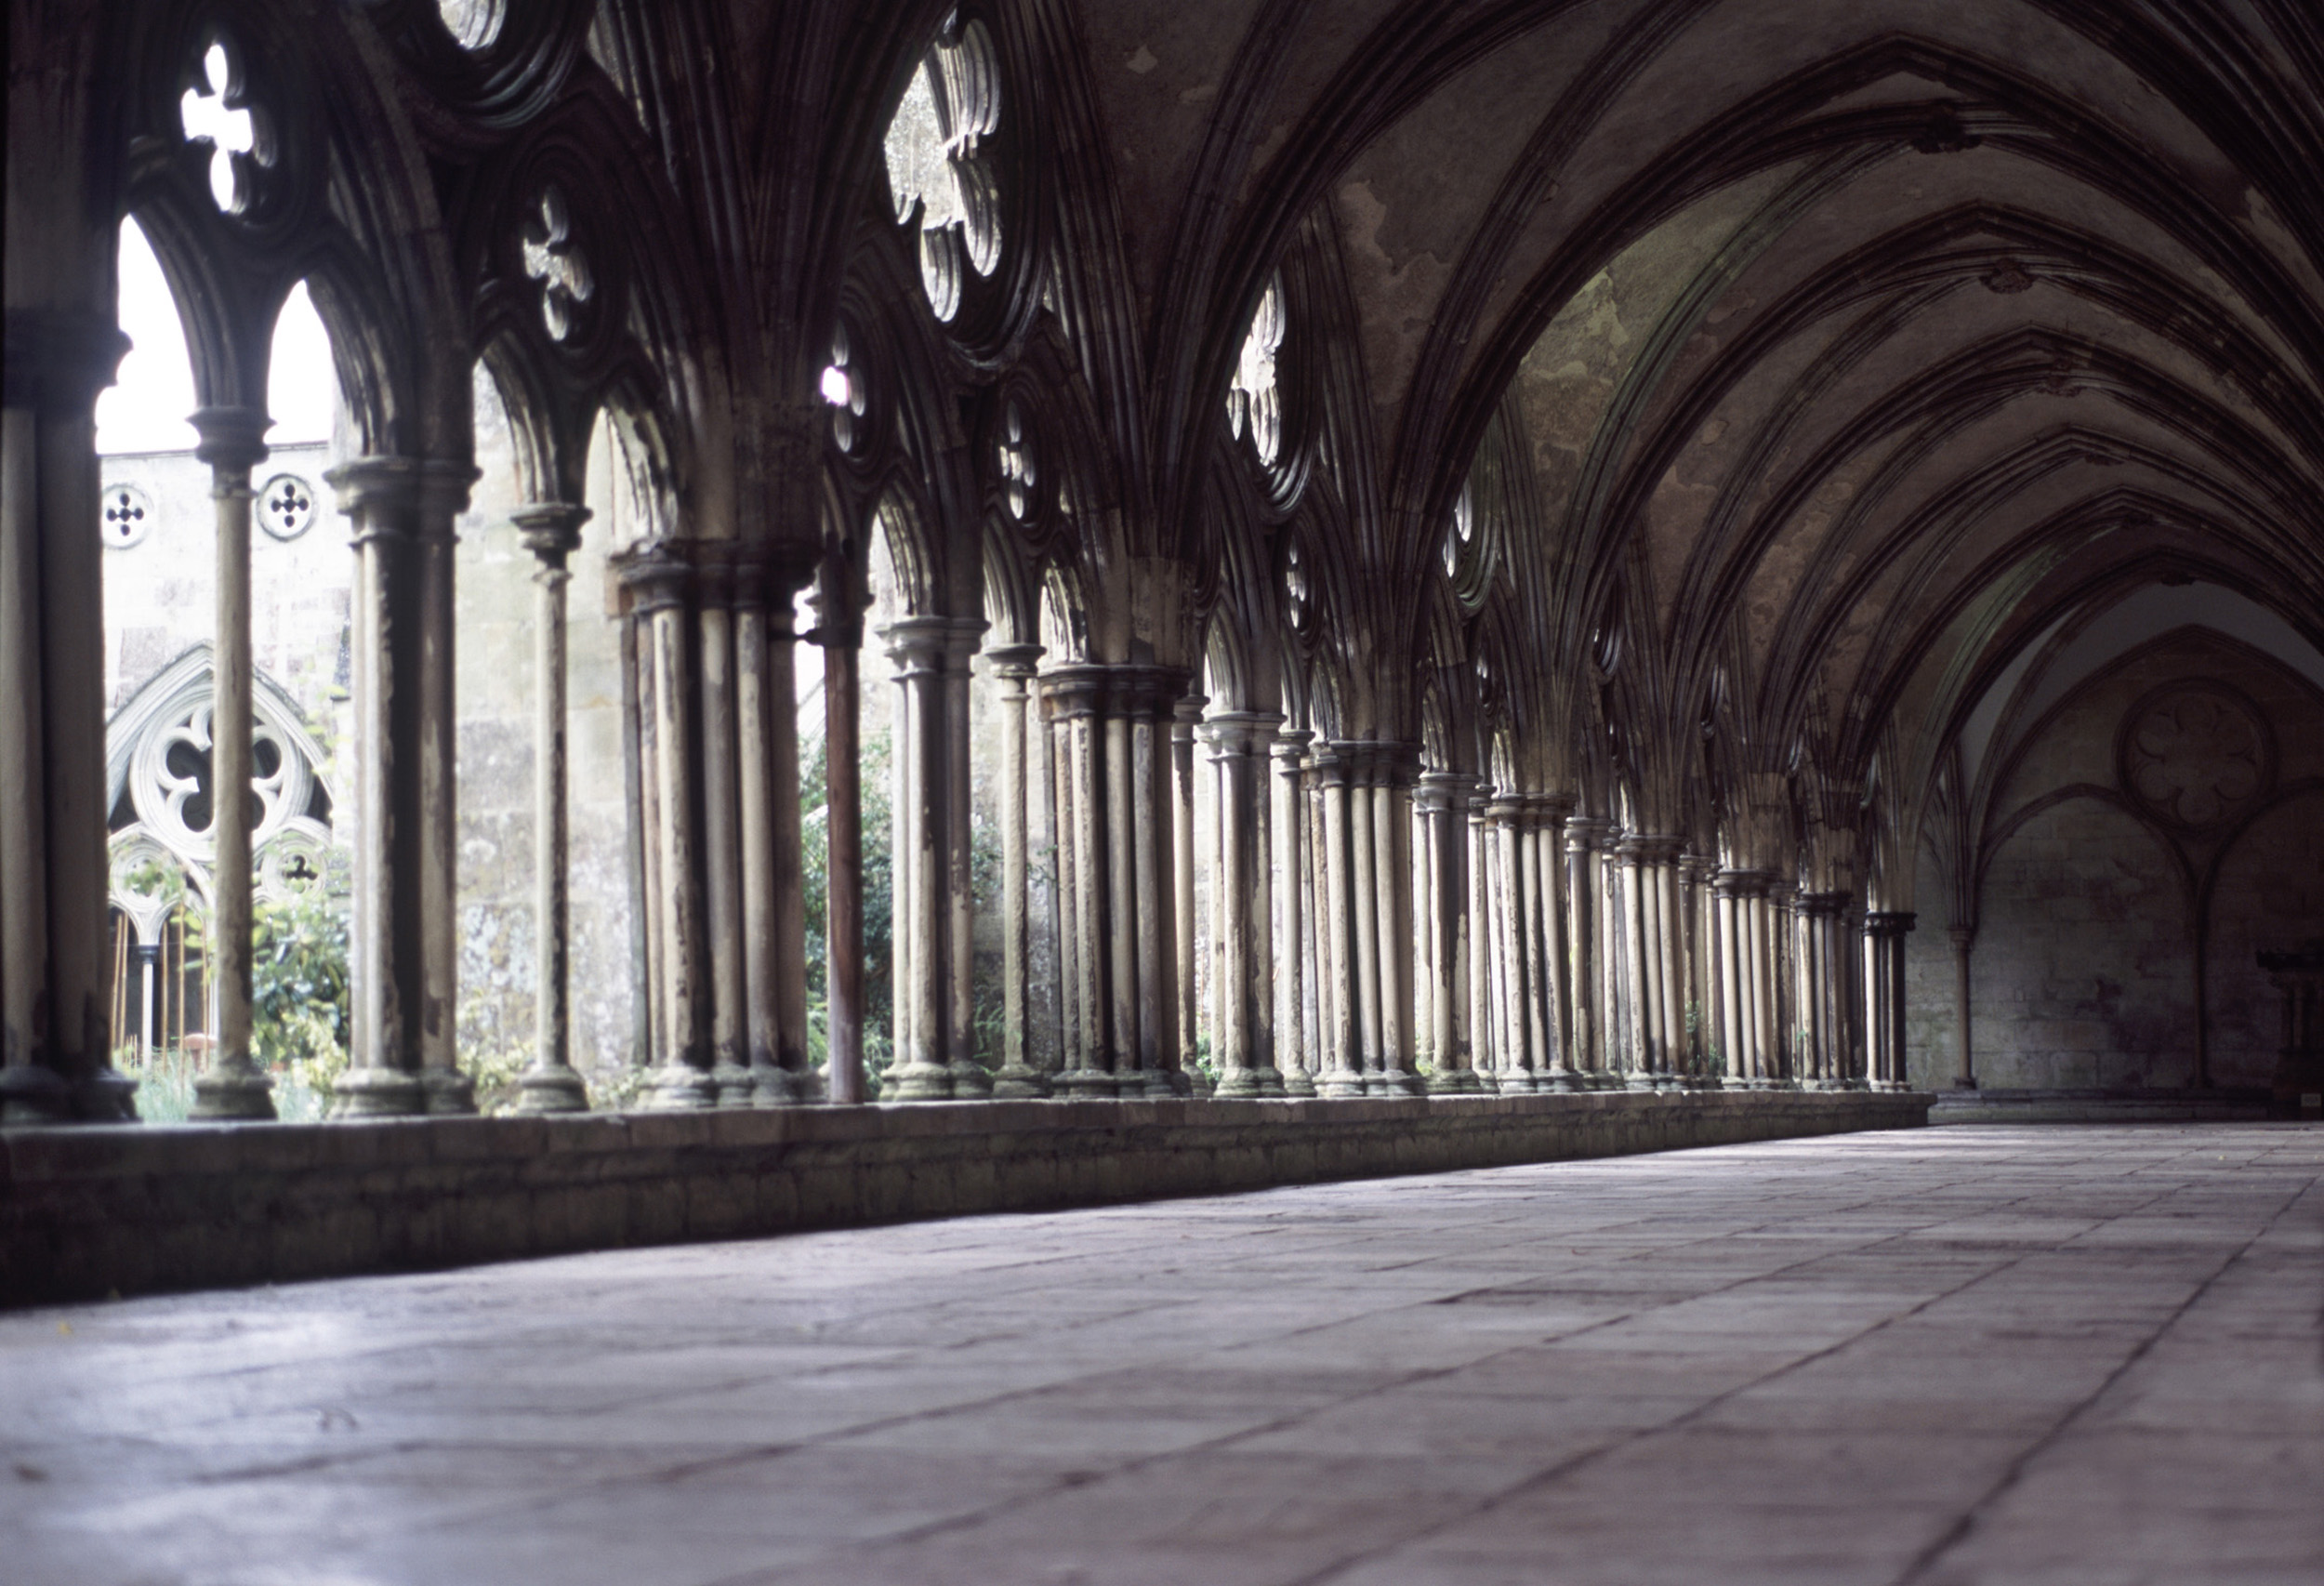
x=1583 y=890
x=1726 y=1019
x=1516 y=1072
x=1293 y=1052
x=1184 y=714
x=658 y=582
x=235 y=1086
x=970 y=1079
x=1013 y=666
x=922 y=1072
x=1245 y=1050
x=1441 y=799
x=1072 y=1049
x=721 y=837
x=840 y=630
x=1964 y=940
x=1884 y=933
x=1315 y=940
x=1769 y=1071
x=388 y=983
x=444 y=495
x=551 y=1083
x=1073 y=696
x=1483 y=1056
x=1149 y=699
x=1346 y=1054
x=774 y=873
x=55 y=1062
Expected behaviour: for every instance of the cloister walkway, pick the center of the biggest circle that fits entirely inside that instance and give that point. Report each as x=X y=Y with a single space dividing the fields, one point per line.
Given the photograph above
x=2013 y=1353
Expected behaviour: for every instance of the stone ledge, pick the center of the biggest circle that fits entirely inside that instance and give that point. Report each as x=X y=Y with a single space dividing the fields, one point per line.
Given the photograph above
x=88 y=1211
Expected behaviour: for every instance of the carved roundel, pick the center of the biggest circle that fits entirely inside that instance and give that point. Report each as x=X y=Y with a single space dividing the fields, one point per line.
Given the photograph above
x=2195 y=753
x=126 y=516
x=286 y=506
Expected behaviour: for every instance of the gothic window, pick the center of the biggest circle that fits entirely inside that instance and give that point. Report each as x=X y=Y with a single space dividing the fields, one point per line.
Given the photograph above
x=553 y=259
x=1461 y=534
x=232 y=131
x=842 y=389
x=936 y=169
x=1016 y=464
x=127 y=517
x=474 y=23
x=286 y=506
x=1297 y=588
x=1252 y=396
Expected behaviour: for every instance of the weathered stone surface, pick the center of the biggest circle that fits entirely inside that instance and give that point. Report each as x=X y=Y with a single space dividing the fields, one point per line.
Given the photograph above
x=2013 y=1357
x=138 y=1209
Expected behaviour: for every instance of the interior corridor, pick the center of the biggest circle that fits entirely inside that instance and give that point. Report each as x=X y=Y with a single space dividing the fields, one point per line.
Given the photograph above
x=2087 y=1354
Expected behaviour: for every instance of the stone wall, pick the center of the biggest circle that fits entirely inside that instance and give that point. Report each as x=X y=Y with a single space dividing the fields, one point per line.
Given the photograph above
x=90 y=1211
x=2162 y=825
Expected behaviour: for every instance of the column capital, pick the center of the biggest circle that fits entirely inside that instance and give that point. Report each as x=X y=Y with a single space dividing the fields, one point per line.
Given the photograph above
x=1888 y=921
x=1647 y=847
x=433 y=487
x=231 y=438
x=1964 y=937
x=1017 y=662
x=1290 y=748
x=1238 y=732
x=916 y=644
x=1697 y=868
x=1819 y=904
x=58 y=361
x=654 y=576
x=1741 y=883
x=550 y=529
x=1587 y=834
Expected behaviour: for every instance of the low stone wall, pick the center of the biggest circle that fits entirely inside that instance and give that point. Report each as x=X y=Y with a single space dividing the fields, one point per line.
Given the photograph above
x=90 y=1211
x=2013 y=1106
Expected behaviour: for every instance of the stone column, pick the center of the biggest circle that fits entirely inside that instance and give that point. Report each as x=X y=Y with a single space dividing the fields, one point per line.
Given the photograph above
x=388 y=983
x=923 y=1010
x=773 y=875
x=235 y=1086
x=721 y=837
x=970 y=1079
x=1964 y=940
x=1767 y=1062
x=658 y=582
x=840 y=630
x=1152 y=704
x=1696 y=872
x=1516 y=1071
x=1483 y=1054
x=1244 y=1049
x=1013 y=666
x=1073 y=1053
x=55 y=1062
x=1442 y=801
x=1884 y=933
x=1293 y=1052
x=1345 y=1055
x=552 y=533
x=1073 y=696
x=444 y=495
x=1583 y=890
x=1184 y=714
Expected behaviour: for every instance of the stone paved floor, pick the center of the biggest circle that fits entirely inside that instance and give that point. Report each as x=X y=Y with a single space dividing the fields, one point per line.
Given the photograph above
x=2087 y=1356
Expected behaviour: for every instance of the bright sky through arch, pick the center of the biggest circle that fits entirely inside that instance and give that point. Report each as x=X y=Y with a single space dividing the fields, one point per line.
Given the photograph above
x=146 y=409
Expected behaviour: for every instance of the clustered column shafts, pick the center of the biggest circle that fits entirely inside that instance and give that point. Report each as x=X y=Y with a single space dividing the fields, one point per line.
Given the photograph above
x=1291 y=963
x=1245 y=1050
x=402 y=975
x=840 y=630
x=1442 y=801
x=551 y=1083
x=235 y=1086
x=773 y=875
x=1585 y=894
x=1014 y=665
x=1884 y=933
x=1183 y=717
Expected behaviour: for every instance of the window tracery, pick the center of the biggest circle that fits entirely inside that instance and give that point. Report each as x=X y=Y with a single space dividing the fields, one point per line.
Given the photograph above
x=843 y=392
x=475 y=24
x=555 y=259
x=230 y=130
x=1253 y=397
x=936 y=169
x=286 y=506
x=1017 y=468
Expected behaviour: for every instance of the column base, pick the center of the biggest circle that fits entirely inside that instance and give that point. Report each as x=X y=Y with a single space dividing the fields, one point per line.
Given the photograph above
x=1515 y=1082
x=1087 y=1085
x=1638 y=1082
x=972 y=1081
x=378 y=1092
x=917 y=1082
x=1562 y=1081
x=1248 y=1085
x=235 y=1089
x=1298 y=1085
x=1016 y=1082
x=450 y=1092
x=1341 y=1085
x=774 y=1085
x=1393 y=1082
x=1454 y=1082
x=551 y=1090
x=106 y=1096
x=736 y=1086
x=683 y=1088
x=1156 y=1085
x=31 y=1095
